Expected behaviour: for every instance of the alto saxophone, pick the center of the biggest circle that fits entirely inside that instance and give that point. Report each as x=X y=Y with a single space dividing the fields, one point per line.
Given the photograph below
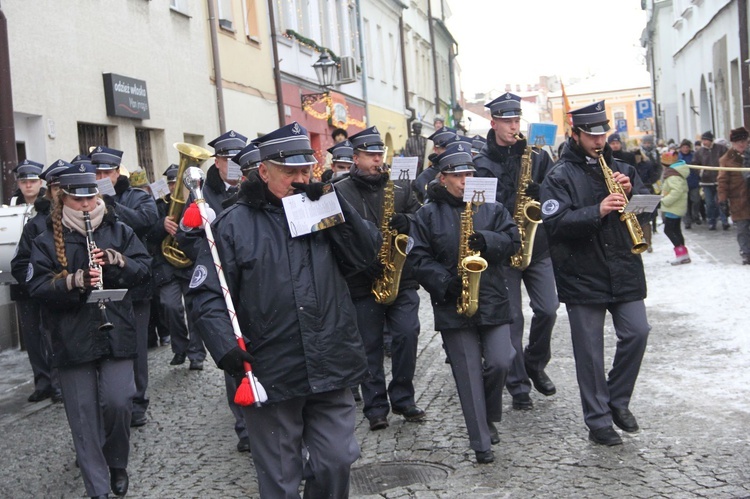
x=105 y=325
x=392 y=254
x=470 y=264
x=631 y=221
x=527 y=213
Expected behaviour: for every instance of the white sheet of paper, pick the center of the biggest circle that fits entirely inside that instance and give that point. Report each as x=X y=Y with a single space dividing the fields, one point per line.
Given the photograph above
x=160 y=188
x=305 y=216
x=484 y=187
x=233 y=170
x=105 y=187
x=404 y=168
x=642 y=203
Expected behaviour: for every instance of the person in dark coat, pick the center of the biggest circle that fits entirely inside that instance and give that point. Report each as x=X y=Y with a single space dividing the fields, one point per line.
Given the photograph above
x=364 y=190
x=136 y=209
x=38 y=200
x=295 y=311
x=501 y=158
x=695 y=202
x=342 y=159
x=733 y=192
x=440 y=139
x=479 y=347
x=708 y=155
x=95 y=366
x=618 y=152
x=596 y=272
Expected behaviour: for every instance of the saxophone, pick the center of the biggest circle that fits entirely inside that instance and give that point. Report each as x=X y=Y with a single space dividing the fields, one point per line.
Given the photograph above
x=527 y=213
x=470 y=264
x=392 y=254
x=105 y=325
x=631 y=221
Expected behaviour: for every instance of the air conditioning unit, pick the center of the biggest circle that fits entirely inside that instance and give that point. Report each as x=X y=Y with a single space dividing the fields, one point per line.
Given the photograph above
x=347 y=70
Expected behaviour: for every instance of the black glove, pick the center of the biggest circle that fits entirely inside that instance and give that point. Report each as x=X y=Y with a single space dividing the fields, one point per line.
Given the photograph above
x=374 y=271
x=233 y=361
x=455 y=286
x=532 y=190
x=400 y=223
x=724 y=206
x=314 y=190
x=477 y=242
x=108 y=200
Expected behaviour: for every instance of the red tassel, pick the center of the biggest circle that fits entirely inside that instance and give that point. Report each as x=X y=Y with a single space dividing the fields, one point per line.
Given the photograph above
x=244 y=395
x=192 y=217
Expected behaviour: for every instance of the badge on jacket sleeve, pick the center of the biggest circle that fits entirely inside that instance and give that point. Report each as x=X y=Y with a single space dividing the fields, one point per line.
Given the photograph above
x=550 y=207
x=29 y=272
x=199 y=276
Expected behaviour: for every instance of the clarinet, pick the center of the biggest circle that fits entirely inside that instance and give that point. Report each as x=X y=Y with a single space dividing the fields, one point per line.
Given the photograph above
x=105 y=325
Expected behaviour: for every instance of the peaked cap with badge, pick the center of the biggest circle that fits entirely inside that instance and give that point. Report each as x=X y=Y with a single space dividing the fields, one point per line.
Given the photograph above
x=591 y=119
x=367 y=140
x=171 y=173
x=52 y=174
x=249 y=157
x=507 y=105
x=342 y=152
x=81 y=158
x=442 y=137
x=79 y=180
x=228 y=144
x=28 y=170
x=287 y=146
x=477 y=143
x=456 y=158
x=105 y=158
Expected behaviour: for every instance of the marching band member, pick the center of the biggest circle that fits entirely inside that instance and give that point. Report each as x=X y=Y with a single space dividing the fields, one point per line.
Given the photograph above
x=479 y=347
x=95 y=367
x=441 y=138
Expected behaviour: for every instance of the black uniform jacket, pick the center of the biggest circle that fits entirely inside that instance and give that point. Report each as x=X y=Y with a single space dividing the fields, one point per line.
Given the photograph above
x=367 y=199
x=421 y=184
x=590 y=255
x=163 y=271
x=73 y=323
x=434 y=257
x=504 y=163
x=20 y=263
x=292 y=302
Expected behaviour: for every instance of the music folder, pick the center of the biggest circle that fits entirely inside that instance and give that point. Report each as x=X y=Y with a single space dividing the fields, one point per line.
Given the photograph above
x=106 y=295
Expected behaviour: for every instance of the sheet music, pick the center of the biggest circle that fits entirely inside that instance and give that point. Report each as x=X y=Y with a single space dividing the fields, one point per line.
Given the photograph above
x=404 y=168
x=305 y=216
x=233 y=170
x=485 y=187
x=105 y=187
x=160 y=189
x=642 y=203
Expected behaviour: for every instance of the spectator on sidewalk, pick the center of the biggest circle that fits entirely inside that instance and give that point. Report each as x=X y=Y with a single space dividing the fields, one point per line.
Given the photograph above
x=693 y=214
x=708 y=155
x=733 y=190
x=674 y=202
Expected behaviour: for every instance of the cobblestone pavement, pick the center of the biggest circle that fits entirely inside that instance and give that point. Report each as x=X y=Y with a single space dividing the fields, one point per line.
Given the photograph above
x=692 y=401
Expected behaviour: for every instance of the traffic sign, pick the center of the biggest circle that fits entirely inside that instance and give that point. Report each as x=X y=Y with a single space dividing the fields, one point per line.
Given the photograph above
x=644 y=108
x=621 y=125
x=644 y=125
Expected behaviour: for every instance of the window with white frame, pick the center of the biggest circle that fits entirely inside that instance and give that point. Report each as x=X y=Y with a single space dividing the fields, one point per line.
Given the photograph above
x=368 y=48
x=179 y=5
x=225 y=14
x=252 y=30
x=381 y=54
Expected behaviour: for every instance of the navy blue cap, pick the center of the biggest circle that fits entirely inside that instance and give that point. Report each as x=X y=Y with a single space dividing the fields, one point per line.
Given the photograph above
x=228 y=144
x=28 y=170
x=443 y=136
x=591 y=119
x=288 y=146
x=171 y=172
x=367 y=140
x=342 y=152
x=249 y=157
x=507 y=105
x=81 y=158
x=53 y=171
x=105 y=158
x=456 y=158
x=477 y=143
x=615 y=137
x=79 y=180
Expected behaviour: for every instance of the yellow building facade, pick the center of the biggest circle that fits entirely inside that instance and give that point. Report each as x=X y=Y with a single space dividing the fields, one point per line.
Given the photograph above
x=392 y=127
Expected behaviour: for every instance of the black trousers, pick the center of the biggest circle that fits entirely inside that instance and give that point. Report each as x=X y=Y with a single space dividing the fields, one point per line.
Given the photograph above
x=673 y=230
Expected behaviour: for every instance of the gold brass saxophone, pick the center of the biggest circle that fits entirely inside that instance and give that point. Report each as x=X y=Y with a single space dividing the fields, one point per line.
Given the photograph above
x=631 y=221
x=392 y=253
x=470 y=264
x=527 y=213
x=190 y=155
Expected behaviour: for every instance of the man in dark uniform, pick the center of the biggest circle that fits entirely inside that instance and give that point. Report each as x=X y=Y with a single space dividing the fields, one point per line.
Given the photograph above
x=501 y=158
x=477 y=144
x=295 y=311
x=416 y=145
x=364 y=189
x=341 y=161
x=136 y=209
x=440 y=139
x=596 y=272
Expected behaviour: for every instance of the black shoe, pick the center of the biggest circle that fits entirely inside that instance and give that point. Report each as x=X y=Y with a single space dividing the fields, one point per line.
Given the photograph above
x=411 y=413
x=40 y=395
x=378 y=423
x=243 y=445
x=485 y=456
x=605 y=436
x=745 y=259
x=494 y=436
x=712 y=227
x=522 y=402
x=56 y=396
x=165 y=341
x=196 y=365
x=118 y=479
x=725 y=226
x=624 y=419
x=687 y=226
x=179 y=358
x=541 y=382
x=137 y=420
x=356 y=394
x=698 y=222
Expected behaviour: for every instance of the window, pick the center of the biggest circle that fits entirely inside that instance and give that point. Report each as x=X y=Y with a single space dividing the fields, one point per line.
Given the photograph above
x=225 y=14
x=91 y=136
x=252 y=31
x=179 y=5
x=303 y=16
x=145 y=158
x=327 y=28
x=381 y=51
x=368 y=48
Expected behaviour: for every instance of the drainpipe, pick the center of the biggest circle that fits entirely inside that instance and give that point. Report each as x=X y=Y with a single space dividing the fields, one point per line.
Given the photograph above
x=434 y=58
x=276 y=68
x=744 y=63
x=412 y=111
x=7 y=128
x=217 y=65
x=361 y=41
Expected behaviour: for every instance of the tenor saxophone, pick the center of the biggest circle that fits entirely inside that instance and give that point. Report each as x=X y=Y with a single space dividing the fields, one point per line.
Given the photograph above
x=470 y=264
x=631 y=221
x=527 y=213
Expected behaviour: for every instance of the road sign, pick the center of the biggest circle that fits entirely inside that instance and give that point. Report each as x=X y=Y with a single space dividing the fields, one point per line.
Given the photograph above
x=621 y=125
x=644 y=125
x=644 y=108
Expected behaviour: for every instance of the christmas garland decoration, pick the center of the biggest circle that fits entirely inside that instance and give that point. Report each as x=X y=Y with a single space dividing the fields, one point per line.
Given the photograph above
x=313 y=45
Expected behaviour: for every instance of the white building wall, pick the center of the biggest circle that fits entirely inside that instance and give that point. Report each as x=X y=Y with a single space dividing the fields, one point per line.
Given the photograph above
x=385 y=83
x=59 y=51
x=419 y=63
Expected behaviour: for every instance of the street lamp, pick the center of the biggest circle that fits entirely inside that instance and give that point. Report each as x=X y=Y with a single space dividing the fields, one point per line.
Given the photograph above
x=325 y=69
